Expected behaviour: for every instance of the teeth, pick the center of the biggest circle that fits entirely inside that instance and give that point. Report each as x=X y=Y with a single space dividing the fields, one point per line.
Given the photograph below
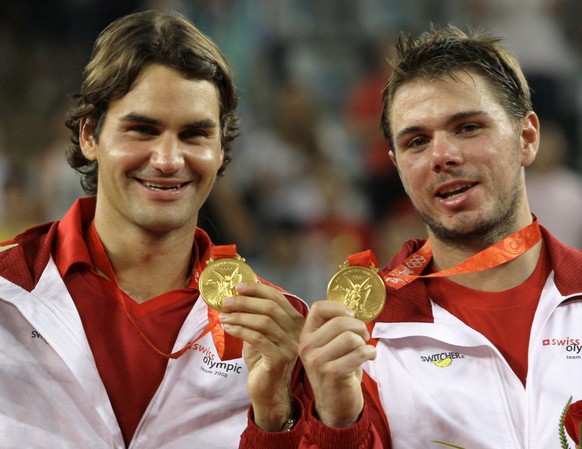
x=149 y=185
x=454 y=190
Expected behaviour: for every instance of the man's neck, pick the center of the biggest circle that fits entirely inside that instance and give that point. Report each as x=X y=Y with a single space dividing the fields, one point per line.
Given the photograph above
x=148 y=265
x=499 y=278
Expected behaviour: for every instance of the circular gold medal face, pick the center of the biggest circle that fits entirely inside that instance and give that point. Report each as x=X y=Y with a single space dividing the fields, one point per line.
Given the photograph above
x=219 y=278
x=361 y=289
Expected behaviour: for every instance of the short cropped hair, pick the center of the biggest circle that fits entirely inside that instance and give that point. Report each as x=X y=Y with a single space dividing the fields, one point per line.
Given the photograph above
x=122 y=51
x=437 y=53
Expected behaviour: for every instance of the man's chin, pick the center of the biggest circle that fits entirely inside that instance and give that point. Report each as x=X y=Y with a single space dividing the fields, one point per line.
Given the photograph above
x=470 y=233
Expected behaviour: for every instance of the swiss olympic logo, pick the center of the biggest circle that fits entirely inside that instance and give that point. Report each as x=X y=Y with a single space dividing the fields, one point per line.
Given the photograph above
x=572 y=346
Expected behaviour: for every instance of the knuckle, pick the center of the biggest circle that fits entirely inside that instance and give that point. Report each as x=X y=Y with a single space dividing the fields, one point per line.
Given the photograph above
x=303 y=349
x=262 y=322
x=255 y=338
x=351 y=339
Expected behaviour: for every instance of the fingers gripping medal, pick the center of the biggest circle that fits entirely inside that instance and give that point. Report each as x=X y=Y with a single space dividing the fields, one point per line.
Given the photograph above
x=224 y=270
x=359 y=286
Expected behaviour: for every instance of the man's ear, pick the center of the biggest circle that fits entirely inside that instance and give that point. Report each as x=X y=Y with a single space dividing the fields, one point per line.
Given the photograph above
x=88 y=139
x=530 y=138
x=393 y=158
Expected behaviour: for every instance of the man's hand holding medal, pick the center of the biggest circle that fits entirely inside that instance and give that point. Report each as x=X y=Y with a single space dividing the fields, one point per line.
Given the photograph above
x=268 y=325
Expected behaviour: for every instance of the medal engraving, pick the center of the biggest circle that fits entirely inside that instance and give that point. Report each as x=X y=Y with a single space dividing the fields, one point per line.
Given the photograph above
x=359 y=288
x=219 y=278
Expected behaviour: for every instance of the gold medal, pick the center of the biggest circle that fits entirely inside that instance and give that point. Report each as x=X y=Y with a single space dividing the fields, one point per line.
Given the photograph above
x=360 y=288
x=219 y=278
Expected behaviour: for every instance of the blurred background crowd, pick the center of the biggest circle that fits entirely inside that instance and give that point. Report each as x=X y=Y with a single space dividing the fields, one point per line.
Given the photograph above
x=311 y=181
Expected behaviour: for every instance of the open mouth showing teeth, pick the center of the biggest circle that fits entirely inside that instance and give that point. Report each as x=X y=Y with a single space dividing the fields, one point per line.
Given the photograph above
x=455 y=192
x=152 y=186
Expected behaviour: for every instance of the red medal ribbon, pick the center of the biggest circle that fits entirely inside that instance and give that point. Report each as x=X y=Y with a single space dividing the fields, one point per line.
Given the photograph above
x=503 y=251
x=223 y=252
x=103 y=264
x=363 y=259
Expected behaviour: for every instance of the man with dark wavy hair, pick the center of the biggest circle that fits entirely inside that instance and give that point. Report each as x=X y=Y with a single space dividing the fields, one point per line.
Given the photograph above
x=106 y=341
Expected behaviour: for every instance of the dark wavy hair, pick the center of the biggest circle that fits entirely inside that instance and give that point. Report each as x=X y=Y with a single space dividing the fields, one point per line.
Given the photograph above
x=120 y=54
x=444 y=52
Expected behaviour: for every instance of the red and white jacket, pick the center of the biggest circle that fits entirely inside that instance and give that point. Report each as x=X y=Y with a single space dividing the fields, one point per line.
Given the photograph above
x=51 y=395
x=437 y=380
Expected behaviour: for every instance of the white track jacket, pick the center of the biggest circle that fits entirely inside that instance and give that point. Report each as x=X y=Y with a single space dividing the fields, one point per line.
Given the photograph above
x=439 y=380
x=59 y=401
x=51 y=395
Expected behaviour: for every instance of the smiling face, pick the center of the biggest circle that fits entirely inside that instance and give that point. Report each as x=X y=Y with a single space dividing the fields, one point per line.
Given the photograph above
x=158 y=151
x=461 y=157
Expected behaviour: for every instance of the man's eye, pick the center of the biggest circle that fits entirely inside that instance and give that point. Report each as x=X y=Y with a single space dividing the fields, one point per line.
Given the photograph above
x=193 y=133
x=143 y=129
x=417 y=142
x=469 y=127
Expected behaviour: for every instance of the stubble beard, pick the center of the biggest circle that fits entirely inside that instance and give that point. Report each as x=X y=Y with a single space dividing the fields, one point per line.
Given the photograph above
x=498 y=224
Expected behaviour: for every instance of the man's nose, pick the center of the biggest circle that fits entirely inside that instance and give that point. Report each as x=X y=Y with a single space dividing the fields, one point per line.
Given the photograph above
x=445 y=153
x=167 y=154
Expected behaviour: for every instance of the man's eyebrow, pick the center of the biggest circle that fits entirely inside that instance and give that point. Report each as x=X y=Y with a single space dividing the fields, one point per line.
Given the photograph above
x=452 y=119
x=203 y=123
x=466 y=114
x=139 y=118
x=409 y=130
